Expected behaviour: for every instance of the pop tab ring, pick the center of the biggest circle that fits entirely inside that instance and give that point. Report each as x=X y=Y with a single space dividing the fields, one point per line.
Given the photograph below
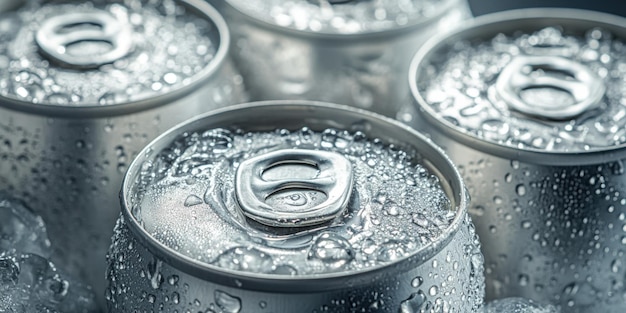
x=586 y=88
x=56 y=35
x=307 y=187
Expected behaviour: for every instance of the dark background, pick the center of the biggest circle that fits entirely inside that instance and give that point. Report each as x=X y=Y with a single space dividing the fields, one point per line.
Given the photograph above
x=480 y=7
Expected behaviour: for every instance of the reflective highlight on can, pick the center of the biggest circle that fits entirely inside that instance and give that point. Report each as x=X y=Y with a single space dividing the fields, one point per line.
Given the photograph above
x=336 y=210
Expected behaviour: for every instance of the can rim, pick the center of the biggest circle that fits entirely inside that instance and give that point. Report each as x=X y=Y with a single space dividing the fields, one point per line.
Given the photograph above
x=349 y=37
x=490 y=25
x=441 y=166
x=205 y=11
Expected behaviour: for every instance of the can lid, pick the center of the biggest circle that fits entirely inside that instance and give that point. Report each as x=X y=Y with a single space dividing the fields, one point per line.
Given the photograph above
x=280 y=209
x=529 y=81
x=343 y=16
x=59 y=55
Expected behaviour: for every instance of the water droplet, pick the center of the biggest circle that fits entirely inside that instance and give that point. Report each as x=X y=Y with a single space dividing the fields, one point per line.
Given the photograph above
x=616 y=266
x=508 y=177
x=417 y=281
x=477 y=210
x=391 y=208
x=247 y=259
x=523 y=280
x=414 y=303
x=58 y=98
x=498 y=127
x=497 y=200
x=110 y=98
x=391 y=251
x=170 y=78
x=173 y=280
x=284 y=269
x=227 y=302
x=332 y=250
x=154 y=273
x=193 y=200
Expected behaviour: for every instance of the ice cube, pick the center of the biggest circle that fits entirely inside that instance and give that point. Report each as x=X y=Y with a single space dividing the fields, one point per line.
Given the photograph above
x=30 y=283
x=21 y=230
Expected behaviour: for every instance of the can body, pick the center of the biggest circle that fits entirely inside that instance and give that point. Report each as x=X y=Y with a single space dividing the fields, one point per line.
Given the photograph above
x=387 y=293
x=365 y=70
x=143 y=275
x=68 y=162
x=550 y=233
x=551 y=223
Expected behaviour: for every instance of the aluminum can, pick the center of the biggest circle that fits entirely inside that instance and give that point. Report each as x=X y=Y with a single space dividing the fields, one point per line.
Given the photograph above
x=530 y=105
x=351 y=52
x=332 y=212
x=84 y=86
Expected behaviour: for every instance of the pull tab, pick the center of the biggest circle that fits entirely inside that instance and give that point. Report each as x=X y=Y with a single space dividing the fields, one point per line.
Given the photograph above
x=294 y=188
x=586 y=88
x=59 y=32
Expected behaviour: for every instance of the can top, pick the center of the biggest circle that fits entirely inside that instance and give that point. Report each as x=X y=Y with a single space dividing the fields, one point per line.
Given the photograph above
x=342 y=16
x=317 y=199
x=106 y=53
x=539 y=81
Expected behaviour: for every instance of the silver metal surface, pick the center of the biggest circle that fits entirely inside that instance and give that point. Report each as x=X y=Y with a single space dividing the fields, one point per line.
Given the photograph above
x=586 y=87
x=67 y=162
x=334 y=180
x=552 y=223
x=145 y=274
x=365 y=70
x=53 y=38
